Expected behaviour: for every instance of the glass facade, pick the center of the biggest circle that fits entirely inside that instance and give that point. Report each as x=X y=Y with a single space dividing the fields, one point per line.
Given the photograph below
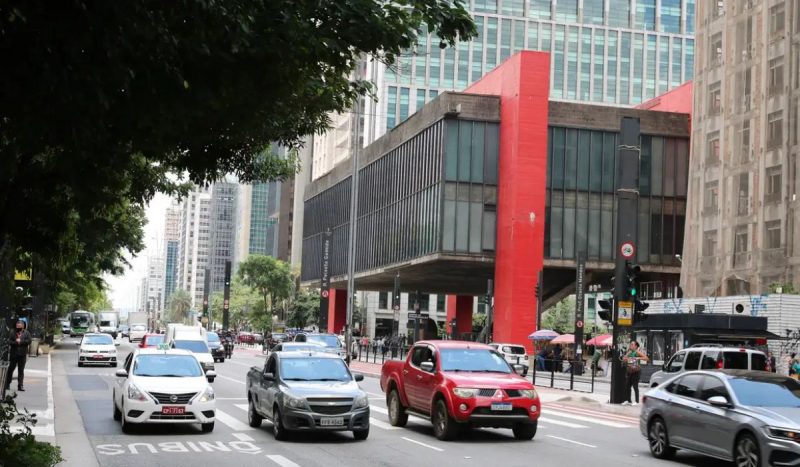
x=613 y=51
x=171 y=268
x=581 y=195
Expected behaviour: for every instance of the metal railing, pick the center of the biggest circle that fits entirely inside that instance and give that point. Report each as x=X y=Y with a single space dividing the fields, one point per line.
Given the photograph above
x=573 y=375
x=373 y=353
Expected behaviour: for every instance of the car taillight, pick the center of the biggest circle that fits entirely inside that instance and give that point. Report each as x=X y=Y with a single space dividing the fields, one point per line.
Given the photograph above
x=720 y=364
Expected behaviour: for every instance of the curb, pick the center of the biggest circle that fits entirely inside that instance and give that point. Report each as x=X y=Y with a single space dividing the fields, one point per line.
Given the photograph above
x=76 y=449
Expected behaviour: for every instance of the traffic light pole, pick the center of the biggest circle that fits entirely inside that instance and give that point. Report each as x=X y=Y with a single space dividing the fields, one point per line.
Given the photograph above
x=627 y=227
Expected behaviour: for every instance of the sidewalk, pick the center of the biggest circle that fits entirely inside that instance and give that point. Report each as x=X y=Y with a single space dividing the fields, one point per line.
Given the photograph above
x=37 y=397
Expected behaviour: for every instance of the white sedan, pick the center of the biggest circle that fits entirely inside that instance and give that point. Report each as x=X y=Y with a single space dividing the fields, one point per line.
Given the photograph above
x=164 y=386
x=97 y=349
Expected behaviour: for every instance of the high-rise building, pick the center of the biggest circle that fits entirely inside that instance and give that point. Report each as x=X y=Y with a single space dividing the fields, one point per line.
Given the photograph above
x=195 y=241
x=741 y=236
x=301 y=180
x=172 y=238
x=155 y=283
x=223 y=230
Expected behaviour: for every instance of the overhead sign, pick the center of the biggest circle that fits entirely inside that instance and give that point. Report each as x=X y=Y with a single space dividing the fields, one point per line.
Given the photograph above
x=625 y=314
x=627 y=250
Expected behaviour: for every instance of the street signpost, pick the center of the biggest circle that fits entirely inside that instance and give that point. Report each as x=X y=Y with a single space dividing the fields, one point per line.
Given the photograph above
x=325 y=284
x=206 y=290
x=625 y=314
x=580 y=279
x=226 y=297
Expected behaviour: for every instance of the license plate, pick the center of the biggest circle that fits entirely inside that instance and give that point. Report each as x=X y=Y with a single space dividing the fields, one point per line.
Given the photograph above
x=331 y=421
x=99 y=357
x=501 y=406
x=166 y=410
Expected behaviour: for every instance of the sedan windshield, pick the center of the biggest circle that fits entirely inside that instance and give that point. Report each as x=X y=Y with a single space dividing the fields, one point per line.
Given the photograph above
x=212 y=337
x=300 y=347
x=314 y=369
x=327 y=341
x=478 y=360
x=167 y=365
x=153 y=341
x=98 y=340
x=192 y=346
x=773 y=392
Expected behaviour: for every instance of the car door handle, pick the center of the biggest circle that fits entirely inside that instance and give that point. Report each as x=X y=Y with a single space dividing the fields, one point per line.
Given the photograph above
x=419 y=377
x=405 y=372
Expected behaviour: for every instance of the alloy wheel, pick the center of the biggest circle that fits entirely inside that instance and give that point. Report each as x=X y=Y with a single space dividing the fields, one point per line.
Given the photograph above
x=658 y=438
x=747 y=454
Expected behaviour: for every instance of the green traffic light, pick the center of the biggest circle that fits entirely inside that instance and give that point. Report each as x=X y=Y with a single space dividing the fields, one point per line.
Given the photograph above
x=633 y=292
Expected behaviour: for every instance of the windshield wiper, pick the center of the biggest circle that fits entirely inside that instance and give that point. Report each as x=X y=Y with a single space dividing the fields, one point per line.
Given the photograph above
x=328 y=379
x=297 y=379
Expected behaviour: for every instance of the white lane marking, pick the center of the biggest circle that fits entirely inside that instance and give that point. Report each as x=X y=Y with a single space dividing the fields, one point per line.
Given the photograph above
x=242 y=406
x=375 y=394
x=586 y=419
x=230 y=379
x=240 y=363
x=243 y=437
x=282 y=461
x=382 y=425
x=560 y=423
x=49 y=413
x=379 y=409
x=423 y=444
x=571 y=441
x=232 y=422
x=607 y=416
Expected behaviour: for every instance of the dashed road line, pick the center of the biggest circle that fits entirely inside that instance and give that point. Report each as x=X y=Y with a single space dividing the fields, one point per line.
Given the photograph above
x=243 y=437
x=423 y=444
x=571 y=441
x=583 y=418
x=561 y=423
x=232 y=422
x=382 y=425
x=282 y=461
x=230 y=379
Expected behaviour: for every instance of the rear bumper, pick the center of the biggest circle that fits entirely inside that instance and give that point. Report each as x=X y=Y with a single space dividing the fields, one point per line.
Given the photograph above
x=301 y=420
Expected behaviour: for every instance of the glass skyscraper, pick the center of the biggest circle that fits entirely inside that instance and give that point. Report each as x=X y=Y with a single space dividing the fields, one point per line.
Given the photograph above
x=606 y=51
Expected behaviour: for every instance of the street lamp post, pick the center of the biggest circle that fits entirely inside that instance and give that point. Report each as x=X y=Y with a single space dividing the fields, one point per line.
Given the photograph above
x=351 y=247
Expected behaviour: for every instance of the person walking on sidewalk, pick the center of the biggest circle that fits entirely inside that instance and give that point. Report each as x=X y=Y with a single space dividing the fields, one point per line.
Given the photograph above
x=19 y=354
x=633 y=370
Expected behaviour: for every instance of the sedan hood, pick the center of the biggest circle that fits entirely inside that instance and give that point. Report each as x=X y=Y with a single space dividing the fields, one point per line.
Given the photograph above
x=785 y=417
x=323 y=388
x=98 y=348
x=174 y=385
x=488 y=380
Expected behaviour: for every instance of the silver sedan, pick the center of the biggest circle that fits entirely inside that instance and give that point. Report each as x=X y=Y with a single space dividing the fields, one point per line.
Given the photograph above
x=749 y=417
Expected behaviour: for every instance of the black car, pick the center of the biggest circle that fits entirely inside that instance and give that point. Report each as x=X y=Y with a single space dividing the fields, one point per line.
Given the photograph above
x=274 y=339
x=216 y=347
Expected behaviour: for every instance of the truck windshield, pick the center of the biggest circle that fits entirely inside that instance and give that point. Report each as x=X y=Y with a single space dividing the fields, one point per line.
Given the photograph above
x=477 y=360
x=167 y=365
x=192 y=346
x=105 y=323
x=314 y=369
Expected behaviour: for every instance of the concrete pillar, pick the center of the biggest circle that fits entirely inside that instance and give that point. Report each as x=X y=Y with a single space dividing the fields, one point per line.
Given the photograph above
x=337 y=310
x=460 y=308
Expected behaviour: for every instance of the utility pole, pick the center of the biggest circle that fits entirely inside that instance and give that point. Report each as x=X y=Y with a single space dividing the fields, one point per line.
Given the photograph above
x=226 y=296
x=489 y=311
x=627 y=227
x=351 y=241
x=396 y=305
x=205 y=319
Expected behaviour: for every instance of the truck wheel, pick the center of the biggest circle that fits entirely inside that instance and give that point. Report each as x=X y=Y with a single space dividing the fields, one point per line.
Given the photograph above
x=253 y=418
x=525 y=431
x=397 y=413
x=444 y=427
x=278 y=430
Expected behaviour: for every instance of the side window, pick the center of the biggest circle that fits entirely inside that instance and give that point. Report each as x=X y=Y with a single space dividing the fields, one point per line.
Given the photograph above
x=128 y=361
x=417 y=355
x=688 y=386
x=506 y=349
x=692 y=360
x=713 y=387
x=736 y=360
x=427 y=355
x=758 y=361
x=709 y=361
x=676 y=363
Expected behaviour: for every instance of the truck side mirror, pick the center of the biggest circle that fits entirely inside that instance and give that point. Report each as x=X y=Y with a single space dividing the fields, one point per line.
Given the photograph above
x=358 y=377
x=426 y=366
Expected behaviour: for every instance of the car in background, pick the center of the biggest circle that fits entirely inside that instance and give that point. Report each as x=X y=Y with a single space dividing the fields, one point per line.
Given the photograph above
x=299 y=347
x=514 y=354
x=458 y=384
x=137 y=332
x=124 y=331
x=151 y=340
x=710 y=357
x=65 y=327
x=164 y=386
x=330 y=342
x=246 y=338
x=300 y=391
x=216 y=347
x=748 y=417
x=258 y=338
x=97 y=349
x=276 y=338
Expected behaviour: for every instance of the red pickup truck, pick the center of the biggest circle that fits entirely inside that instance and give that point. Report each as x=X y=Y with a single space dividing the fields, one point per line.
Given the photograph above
x=459 y=384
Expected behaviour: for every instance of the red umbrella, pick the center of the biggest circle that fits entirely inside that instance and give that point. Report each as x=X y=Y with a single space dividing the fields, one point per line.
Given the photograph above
x=603 y=340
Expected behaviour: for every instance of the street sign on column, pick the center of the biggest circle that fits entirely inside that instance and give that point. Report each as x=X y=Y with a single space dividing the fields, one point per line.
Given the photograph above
x=206 y=291
x=226 y=296
x=580 y=279
x=325 y=283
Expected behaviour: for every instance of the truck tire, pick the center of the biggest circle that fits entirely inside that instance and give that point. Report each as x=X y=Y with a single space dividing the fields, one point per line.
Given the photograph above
x=444 y=427
x=253 y=418
x=397 y=413
x=525 y=431
x=278 y=430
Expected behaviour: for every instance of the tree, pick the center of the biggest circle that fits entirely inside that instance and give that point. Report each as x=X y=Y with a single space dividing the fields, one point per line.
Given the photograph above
x=153 y=89
x=245 y=303
x=304 y=308
x=179 y=306
x=270 y=277
x=561 y=317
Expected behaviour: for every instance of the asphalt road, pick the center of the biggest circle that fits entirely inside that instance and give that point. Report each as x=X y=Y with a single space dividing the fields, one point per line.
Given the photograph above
x=567 y=435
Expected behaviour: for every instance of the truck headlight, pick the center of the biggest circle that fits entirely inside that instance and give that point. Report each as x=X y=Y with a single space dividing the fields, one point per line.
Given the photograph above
x=136 y=394
x=783 y=433
x=361 y=402
x=207 y=395
x=528 y=393
x=294 y=402
x=465 y=393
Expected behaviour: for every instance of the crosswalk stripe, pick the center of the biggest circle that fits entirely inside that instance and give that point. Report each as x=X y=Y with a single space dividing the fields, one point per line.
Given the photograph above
x=560 y=423
x=607 y=416
x=382 y=425
x=282 y=461
x=232 y=422
x=379 y=409
x=242 y=406
x=586 y=419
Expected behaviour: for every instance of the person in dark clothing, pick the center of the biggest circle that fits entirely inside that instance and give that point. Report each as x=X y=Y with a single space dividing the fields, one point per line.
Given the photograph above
x=20 y=341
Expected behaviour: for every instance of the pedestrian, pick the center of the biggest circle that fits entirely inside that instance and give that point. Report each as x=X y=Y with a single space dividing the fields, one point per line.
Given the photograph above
x=773 y=363
x=633 y=371
x=792 y=359
x=596 y=360
x=540 y=358
x=19 y=354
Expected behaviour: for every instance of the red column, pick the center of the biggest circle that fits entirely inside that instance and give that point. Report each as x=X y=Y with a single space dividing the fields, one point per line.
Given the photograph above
x=522 y=82
x=460 y=308
x=337 y=310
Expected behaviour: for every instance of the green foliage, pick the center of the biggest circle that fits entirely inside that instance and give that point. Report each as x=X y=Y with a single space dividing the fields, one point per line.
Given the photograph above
x=561 y=317
x=20 y=447
x=304 y=309
x=786 y=287
x=178 y=307
x=270 y=277
x=245 y=305
x=478 y=321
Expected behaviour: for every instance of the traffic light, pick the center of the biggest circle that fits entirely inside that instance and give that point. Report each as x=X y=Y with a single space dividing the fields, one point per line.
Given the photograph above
x=638 y=311
x=606 y=310
x=538 y=291
x=632 y=280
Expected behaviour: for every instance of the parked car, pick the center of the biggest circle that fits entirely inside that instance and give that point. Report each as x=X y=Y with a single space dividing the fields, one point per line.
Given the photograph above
x=65 y=327
x=299 y=347
x=458 y=384
x=216 y=347
x=137 y=332
x=514 y=354
x=163 y=386
x=301 y=391
x=151 y=340
x=97 y=348
x=709 y=357
x=331 y=342
x=749 y=417
x=124 y=331
x=258 y=338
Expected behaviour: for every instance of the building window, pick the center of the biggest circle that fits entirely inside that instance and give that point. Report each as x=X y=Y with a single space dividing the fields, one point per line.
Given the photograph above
x=383 y=300
x=775 y=129
x=541 y=9
x=772 y=192
x=743 y=200
x=744 y=142
x=715 y=52
x=777 y=19
x=441 y=300
x=710 y=243
x=775 y=76
x=740 y=246
x=646 y=15
x=621 y=10
x=772 y=234
x=711 y=198
x=719 y=9
x=594 y=11
x=744 y=39
x=567 y=11
x=712 y=156
x=671 y=16
x=714 y=98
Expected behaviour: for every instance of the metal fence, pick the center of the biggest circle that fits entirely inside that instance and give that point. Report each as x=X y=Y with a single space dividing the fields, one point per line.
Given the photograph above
x=574 y=375
x=373 y=353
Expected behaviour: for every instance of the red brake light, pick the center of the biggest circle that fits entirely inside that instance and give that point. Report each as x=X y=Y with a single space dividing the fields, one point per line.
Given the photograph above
x=720 y=364
x=742 y=350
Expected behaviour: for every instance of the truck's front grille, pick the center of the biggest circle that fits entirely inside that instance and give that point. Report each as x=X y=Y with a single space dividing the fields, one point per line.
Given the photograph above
x=330 y=409
x=486 y=392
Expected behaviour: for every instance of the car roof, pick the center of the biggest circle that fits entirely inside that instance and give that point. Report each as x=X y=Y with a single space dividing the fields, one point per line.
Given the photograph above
x=442 y=344
x=312 y=343
x=724 y=349
x=307 y=354
x=156 y=351
x=506 y=343
x=96 y=334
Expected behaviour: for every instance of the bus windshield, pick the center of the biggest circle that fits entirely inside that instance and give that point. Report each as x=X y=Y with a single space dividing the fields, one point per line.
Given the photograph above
x=80 y=321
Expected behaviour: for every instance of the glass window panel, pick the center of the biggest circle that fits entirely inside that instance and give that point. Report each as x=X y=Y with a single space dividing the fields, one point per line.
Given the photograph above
x=492 y=147
x=611 y=68
x=451 y=151
x=567 y=11
x=464 y=146
x=540 y=9
x=486 y=6
x=448 y=226
x=584 y=164
x=463 y=65
x=594 y=226
x=533 y=36
x=448 y=80
x=514 y=7
x=404 y=96
x=638 y=68
x=478 y=145
x=609 y=158
x=489 y=228
x=491 y=43
x=462 y=225
x=582 y=224
x=671 y=16
x=598 y=64
x=558 y=62
x=644 y=166
x=682 y=169
x=391 y=108
x=645 y=15
x=690 y=17
x=519 y=37
x=556 y=225
x=688 y=59
x=420 y=99
x=676 y=78
x=586 y=64
x=643 y=249
x=505 y=39
x=596 y=162
x=475 y=227
x=669 y=167
x=655 y=230
x=593 y=11
x=569 y=225
x=607 y=228
x=657 y=155
x=621 y=11
x=625 y=68
x=571 y=159
x=477 y=49
x=572 y=64
x=547 y=37
x=559 y=139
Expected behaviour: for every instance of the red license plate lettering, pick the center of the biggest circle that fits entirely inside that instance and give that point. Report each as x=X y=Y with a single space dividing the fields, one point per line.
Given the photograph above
x=98 y=357
x=173 y=410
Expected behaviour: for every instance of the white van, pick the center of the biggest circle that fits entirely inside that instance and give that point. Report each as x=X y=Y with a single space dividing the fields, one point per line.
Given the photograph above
x=710 y=357
x=193 y=339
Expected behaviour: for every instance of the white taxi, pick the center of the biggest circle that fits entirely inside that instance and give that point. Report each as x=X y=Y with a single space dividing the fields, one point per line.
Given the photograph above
x=97 y=349
x=160 y=385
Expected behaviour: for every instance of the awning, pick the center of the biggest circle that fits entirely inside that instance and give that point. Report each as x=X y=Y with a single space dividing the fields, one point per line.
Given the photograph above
x=737 y=333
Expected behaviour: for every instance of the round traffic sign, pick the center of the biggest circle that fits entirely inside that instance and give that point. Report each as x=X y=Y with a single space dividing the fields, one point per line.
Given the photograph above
x=579 y=324
x=397 y=308
x=324 y=294
x=627 y=249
